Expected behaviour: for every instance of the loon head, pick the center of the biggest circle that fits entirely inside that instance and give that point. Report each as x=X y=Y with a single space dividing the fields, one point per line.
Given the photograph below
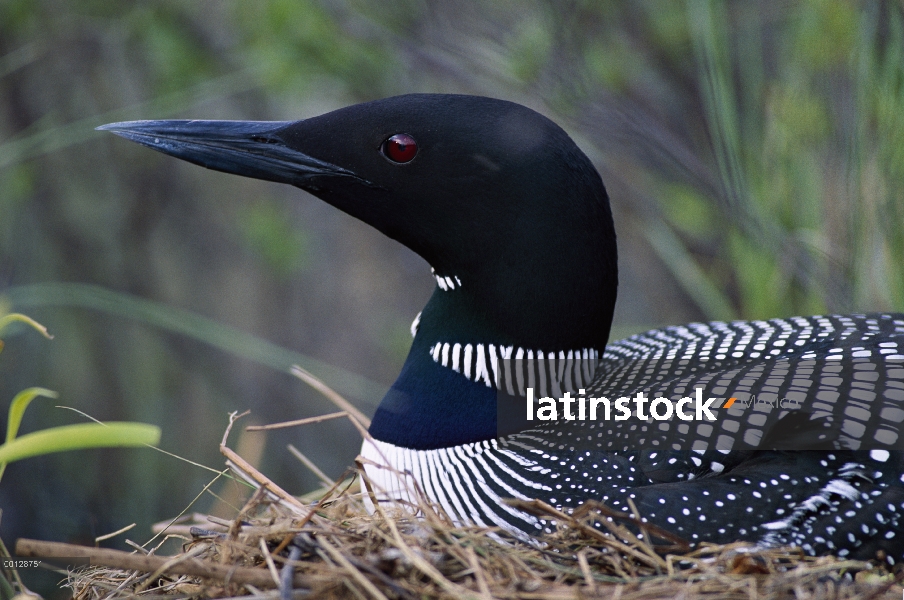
x=508 y=211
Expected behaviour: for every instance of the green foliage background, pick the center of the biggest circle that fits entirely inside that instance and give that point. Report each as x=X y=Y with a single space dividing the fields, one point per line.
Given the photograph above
x=754 y=153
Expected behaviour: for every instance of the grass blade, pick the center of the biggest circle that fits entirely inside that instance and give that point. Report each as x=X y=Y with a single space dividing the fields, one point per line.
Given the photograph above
x=78 y=437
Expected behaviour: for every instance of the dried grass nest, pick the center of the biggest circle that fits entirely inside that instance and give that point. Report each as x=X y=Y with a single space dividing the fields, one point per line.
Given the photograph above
x=278 y=546
x=342 y=551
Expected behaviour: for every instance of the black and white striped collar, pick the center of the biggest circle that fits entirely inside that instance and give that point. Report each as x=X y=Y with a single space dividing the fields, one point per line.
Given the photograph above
x=446 y=283
x=514 y=369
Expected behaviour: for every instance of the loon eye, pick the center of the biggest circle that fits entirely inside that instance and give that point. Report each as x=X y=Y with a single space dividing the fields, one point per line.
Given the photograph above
x=400 y=148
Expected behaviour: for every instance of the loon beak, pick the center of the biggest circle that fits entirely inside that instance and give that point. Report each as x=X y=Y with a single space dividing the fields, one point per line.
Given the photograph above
x=249 y=148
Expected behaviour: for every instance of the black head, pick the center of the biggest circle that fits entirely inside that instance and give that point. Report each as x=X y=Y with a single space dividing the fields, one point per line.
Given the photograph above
x=485 y=190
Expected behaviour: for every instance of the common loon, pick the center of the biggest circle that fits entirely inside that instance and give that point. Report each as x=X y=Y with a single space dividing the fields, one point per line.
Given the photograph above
x=516 y=224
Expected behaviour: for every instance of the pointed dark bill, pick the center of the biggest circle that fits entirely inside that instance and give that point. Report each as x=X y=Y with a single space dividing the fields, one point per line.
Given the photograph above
x=248 y=148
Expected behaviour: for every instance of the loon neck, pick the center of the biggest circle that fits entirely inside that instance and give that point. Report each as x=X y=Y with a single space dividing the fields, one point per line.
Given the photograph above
x=458 y=384
x=540 y=275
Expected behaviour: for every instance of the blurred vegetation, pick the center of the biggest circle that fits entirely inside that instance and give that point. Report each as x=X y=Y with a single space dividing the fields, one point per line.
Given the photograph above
x=56 y=439
x=754 y=153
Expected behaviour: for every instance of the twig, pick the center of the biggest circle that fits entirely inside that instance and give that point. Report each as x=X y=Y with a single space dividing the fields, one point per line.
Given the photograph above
x=297 y=422
x=118 y=559
x=331 y=395
x=168 y=564
x=310 y=464
x=538 y=507
x=271 y=566
x=425 y=567
x=113 y=533
x=679 y=543
x=256 y=476
x=357 y=575
x=585 y=570
x=478 y=573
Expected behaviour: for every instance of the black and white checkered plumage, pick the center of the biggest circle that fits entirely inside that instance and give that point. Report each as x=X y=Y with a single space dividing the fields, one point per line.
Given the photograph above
x=844 y=496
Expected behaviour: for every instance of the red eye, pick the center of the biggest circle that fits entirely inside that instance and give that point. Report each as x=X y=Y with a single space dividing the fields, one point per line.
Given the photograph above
x=400 y=148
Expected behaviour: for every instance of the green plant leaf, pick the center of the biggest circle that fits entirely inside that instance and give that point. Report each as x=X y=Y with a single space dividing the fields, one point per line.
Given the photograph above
x=5 y=321
x=78 y=437
x=17 y=410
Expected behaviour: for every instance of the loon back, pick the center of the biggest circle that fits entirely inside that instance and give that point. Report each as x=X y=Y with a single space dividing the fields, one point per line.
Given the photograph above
x=509 y=365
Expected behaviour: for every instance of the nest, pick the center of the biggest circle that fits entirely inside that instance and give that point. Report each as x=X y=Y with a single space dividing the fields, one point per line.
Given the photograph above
x=278 y=546
x=339 y=550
